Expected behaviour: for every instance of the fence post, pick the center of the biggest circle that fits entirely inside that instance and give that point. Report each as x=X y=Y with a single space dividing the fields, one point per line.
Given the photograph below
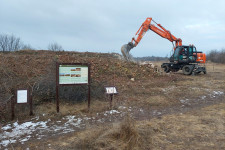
x=31 y=101
x=12 y=105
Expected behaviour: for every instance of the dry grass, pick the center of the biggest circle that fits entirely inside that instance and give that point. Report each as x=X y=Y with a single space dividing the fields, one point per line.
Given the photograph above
x=202 y=129
x=122 y=135
x=158 y=100
x=49 y=109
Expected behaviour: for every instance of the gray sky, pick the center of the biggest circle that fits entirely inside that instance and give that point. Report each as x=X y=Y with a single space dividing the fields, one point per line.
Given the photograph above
x=104 y=26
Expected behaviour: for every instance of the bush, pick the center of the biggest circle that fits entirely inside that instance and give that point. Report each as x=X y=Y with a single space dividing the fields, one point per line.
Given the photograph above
x=55 y=47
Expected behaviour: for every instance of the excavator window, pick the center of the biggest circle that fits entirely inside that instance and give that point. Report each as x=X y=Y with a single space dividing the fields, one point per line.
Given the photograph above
x=184 y=51
x=192 y=51
x=177 y=53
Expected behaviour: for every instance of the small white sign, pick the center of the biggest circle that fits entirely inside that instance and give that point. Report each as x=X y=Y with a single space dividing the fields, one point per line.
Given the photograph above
x=111 y=90
x=22 y=96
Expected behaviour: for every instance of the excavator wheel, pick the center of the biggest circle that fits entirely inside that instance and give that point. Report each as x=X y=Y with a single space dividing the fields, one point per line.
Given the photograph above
x=166 y=68
x=187 y=69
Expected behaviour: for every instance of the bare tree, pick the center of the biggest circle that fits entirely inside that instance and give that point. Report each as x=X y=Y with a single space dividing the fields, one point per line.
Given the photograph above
x=9 y=43
x=27 y=47
x=55 y=47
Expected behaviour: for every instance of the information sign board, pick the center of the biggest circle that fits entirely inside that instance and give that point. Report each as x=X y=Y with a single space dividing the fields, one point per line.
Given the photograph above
x=73 y=74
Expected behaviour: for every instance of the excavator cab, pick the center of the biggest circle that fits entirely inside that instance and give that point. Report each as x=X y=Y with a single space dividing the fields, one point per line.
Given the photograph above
x=184 y=54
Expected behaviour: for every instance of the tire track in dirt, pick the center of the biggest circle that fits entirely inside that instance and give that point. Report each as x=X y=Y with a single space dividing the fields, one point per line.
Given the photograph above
x=186 y=105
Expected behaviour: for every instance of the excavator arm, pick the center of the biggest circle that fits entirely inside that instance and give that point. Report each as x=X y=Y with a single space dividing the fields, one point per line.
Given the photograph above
x=147 y=25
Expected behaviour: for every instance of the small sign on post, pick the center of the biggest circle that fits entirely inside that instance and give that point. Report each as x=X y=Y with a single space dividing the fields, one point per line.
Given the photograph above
x=111 y=90
x=23 y=96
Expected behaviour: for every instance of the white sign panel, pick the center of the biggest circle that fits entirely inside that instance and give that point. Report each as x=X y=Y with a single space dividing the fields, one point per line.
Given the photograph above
x=111 y=90
x=22 y=96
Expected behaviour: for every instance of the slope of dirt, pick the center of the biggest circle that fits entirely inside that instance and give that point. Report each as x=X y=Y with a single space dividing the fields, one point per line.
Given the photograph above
x=37 y=70
x=32 y=64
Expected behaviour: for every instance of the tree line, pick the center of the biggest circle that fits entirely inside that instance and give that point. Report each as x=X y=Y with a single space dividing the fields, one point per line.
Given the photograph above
x=151 y=58
x=217 y=56
x=9 y=43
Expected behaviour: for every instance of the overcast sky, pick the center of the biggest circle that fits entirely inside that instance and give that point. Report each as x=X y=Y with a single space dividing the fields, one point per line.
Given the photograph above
x=105 y=25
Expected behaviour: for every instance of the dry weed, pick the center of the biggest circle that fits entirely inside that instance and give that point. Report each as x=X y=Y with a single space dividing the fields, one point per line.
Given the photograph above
x=201 y=129
x=157 y=100
x=49 y=109
x=123 y=135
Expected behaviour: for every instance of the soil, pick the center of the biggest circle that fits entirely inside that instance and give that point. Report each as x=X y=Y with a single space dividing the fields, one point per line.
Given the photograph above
x=145 y=98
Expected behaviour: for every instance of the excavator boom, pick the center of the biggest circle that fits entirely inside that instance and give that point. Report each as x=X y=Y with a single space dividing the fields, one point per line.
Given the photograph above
x=147 y=25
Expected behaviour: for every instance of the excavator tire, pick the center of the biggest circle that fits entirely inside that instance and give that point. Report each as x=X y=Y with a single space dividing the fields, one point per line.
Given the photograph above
x=187 y=69
x=166 y=68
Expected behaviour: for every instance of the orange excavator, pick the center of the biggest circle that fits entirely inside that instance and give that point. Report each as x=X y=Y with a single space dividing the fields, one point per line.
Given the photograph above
x=185 y=58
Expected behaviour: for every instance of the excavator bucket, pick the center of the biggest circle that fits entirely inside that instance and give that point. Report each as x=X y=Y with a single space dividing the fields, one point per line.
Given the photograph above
x=125 y=49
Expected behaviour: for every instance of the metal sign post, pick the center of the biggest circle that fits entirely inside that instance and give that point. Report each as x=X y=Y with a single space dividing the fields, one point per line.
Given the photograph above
x=72 y=74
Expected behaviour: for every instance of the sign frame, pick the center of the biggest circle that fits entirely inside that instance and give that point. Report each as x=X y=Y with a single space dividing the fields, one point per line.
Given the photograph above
x=58 y=85
x=72 y=64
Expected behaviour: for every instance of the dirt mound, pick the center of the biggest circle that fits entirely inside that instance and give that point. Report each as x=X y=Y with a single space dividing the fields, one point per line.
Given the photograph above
x=31 y=68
